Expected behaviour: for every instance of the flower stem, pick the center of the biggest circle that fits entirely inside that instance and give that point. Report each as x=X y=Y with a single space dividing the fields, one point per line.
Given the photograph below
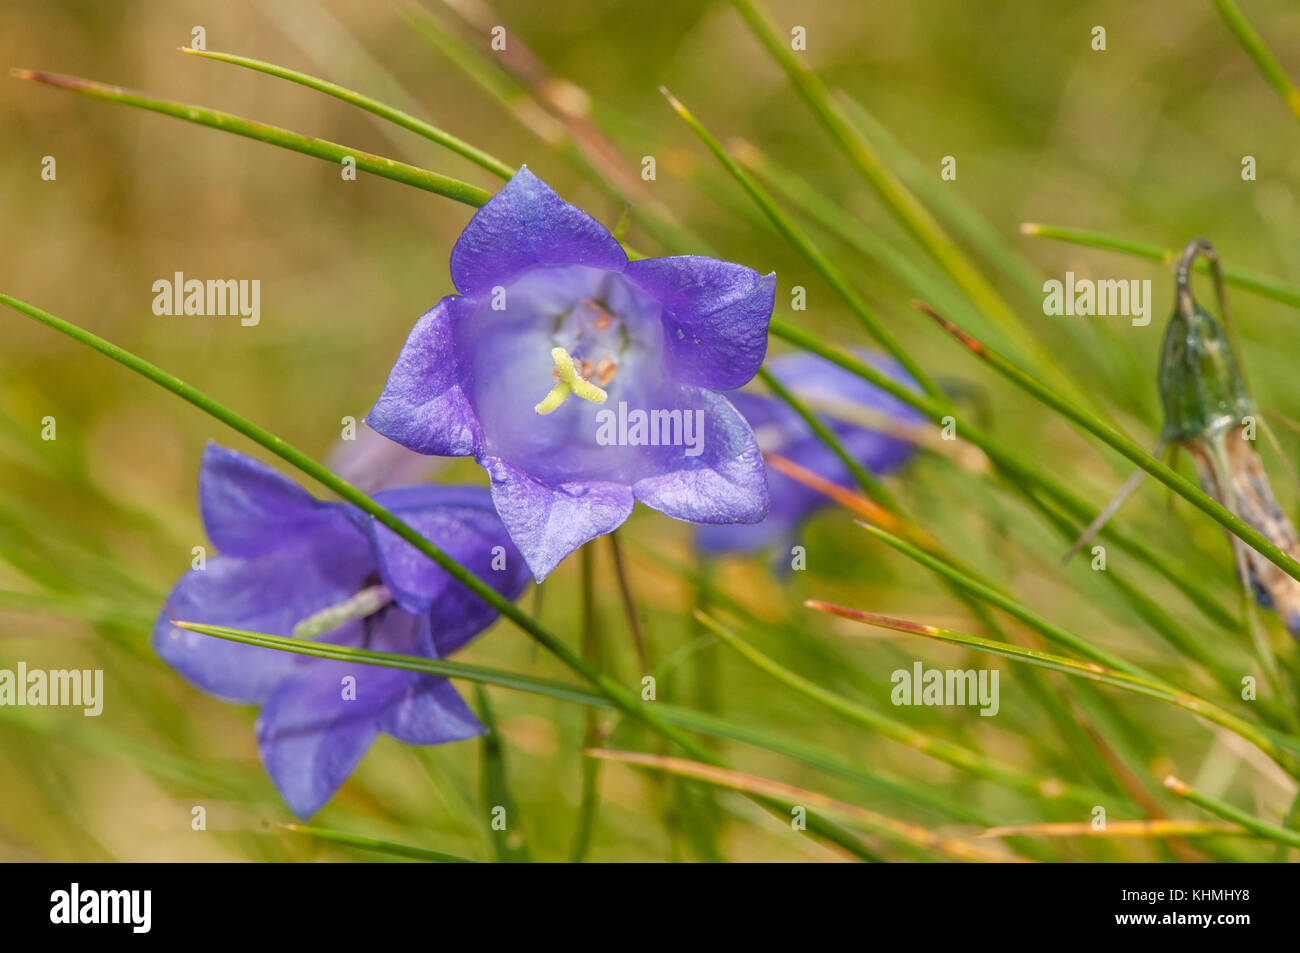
x=591 y=737
x=629 y=602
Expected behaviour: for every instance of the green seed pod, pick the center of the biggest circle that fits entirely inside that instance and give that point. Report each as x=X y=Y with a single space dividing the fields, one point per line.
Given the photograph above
x=1201 y=386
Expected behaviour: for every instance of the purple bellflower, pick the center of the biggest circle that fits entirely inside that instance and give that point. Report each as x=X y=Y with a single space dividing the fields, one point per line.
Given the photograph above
x=292 y=565
x=845 y=401
x=582 y=381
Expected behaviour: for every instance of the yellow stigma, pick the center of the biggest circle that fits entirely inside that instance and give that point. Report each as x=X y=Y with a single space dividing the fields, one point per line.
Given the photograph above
x=569 y=382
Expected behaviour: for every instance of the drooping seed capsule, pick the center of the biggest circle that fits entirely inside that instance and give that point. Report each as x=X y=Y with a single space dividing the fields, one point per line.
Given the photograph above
x=1207 y=409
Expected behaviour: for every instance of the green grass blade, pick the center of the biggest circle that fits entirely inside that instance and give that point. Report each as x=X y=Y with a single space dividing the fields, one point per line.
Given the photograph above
x=1258 y=51
x=869 y=484
x=1020 y=472
x=938 y=748
x=408 y=663
x=831 y=216
x=962 y=218
x=397 y=116
x=591 y=736
x=1051 y=632
x=510 y=842
x=896 y=196
x=793 y=234
x=1285 y=751
x=712 y=725
x=869 y=821
x=273 y=135
x=379 y=846
x=1129 y=448
x=1228 y=812
x=1251 y=281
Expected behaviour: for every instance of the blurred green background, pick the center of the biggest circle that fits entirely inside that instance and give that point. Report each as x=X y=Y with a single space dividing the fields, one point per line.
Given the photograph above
x=1143 y=140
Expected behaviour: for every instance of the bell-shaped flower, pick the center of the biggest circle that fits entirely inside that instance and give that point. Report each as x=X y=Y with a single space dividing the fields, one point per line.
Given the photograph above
x=292 y=565
x=870 y=423
x=582 y=381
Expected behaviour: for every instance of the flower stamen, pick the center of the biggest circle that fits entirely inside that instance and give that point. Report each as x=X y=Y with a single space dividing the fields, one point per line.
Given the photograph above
x=570 y=381
x=365 y=603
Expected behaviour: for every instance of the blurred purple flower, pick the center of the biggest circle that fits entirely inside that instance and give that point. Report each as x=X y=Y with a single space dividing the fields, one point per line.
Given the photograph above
x=291 y=564
x=371 y=462
x=844 y=400
x=550 y=308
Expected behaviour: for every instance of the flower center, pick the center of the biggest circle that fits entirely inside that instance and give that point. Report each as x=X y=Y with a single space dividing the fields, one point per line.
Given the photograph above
x=589 y=343
x=365 y=603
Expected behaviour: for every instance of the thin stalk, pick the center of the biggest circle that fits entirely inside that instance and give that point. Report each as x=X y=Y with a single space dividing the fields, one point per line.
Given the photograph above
x=629 y=602
x=938 y=748
x=591 y=737
x=1247 y=280
x=1258 y=51
x=1236 y=815
x=1049 y=631
x=404 y=119
x=1019 y=472
x=379 y=846
x=870 y=821
x=832 y=275
x=1284 y=751
x=1128 y=447
x=897 y=198
x=1228 y=680
x=867 y=482
x=509 y=842
x=273 y=135
x=831 y=216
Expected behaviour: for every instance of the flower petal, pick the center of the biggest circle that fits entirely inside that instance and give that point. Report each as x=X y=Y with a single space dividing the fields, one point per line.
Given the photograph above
x=250 y=509
x=461 y=521
x=524 y=226
x=549 y=522
x=424 y=405
x=724 y=483
x=430 y=712
x=270 y=594
x=716 y=316
x=312 y=732
x=421 y=709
